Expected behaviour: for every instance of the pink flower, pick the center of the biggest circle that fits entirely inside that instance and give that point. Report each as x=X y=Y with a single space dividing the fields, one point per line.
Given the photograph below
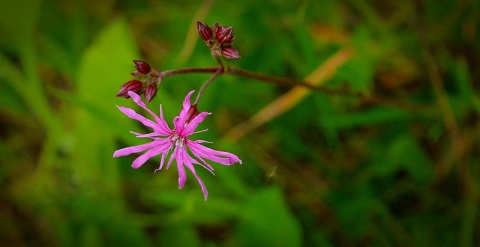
x=175 y=141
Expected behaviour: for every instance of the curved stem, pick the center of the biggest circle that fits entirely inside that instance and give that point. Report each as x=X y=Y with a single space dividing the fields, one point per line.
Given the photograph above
x=218 y=59
x=205 y=85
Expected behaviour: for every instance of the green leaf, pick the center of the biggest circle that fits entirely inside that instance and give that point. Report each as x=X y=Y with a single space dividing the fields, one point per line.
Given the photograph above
x=100 y=77
x=105 y=66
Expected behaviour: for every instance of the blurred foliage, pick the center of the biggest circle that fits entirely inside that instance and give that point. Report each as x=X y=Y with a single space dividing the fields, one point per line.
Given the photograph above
x=332 y=171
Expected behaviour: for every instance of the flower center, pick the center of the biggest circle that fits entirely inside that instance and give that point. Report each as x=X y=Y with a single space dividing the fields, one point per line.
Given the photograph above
x=178 y=139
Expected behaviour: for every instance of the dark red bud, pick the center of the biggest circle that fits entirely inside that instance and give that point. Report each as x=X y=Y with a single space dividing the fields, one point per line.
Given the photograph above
x=191 y=114
x=150 y=92
x=224 y=35
x=142 y=66
x=230 y=53
x=133 y=85
x=205 y=31
x=215 y=27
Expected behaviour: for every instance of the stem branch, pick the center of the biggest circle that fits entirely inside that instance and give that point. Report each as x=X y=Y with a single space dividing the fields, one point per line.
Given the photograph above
x=187 y=70
x=205 y=85
x=221 y=69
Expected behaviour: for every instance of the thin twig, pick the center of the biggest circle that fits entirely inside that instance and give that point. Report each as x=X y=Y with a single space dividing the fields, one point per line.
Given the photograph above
x=187 y=71
x=288 y=82
x=205 y=85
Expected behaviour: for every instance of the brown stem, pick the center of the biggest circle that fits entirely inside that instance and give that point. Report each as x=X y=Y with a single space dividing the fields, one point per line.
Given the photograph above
x=287 y=82
x=256 y=76
x=216 y=71
x=187 y=70
x=205 y=85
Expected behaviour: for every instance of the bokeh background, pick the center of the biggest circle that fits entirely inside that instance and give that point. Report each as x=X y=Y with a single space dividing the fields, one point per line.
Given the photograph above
x=399 y=168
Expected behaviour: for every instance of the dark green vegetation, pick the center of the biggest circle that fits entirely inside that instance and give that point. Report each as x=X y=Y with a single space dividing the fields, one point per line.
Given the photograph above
x=400 y=169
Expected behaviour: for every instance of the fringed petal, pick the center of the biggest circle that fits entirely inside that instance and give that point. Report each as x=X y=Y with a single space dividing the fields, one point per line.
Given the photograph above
x=146 y=156
x=189 y=165
x=161 y=126
x=224 y=158
x=134 y=149
x=190 y=128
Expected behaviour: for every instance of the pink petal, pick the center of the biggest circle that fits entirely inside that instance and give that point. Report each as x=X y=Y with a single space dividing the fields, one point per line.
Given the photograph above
x=224 y=158
x=179 y=124
x=189 y=165
x=202 y=185
x=134 y=149
x=188 y=130
x=134 y=115
x=172 y=157
x=186 y=105
x=149 y=135
x=160 y=120
x=162 y=123
x=182 y=175
x=162 y=160
x=179 y=121
x=204 y=164
x=146 y=156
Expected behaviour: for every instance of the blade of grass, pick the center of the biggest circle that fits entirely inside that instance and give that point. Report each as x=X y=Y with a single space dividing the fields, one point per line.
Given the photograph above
x=192 y=34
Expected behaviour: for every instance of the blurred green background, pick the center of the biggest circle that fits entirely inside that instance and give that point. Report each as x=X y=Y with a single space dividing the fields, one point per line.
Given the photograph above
x=331 y=171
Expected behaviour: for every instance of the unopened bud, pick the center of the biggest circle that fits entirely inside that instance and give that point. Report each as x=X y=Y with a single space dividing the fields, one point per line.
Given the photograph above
x=133 y=85
x=205 y=31
x=142 y=66
x=230 y=53
x=224 y=35
x=191 y=114
x=215 y=27
x=150 y=92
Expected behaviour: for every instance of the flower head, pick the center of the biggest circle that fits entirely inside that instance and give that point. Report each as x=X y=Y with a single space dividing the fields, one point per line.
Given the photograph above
x=146 y=81
x=174 y=142
x=219 y=39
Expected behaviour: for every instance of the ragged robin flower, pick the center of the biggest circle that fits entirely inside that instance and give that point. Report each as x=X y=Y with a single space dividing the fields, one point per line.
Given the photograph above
x=219 y=39
x=174 y=142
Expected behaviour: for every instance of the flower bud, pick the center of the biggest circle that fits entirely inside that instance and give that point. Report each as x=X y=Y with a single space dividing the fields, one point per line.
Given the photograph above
x=191 y=113
x=142 y=66
x=132 y=85
x=224 y=35
x=215 y=27
x=150 y=92
x=230 y=53
x=205 y=31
